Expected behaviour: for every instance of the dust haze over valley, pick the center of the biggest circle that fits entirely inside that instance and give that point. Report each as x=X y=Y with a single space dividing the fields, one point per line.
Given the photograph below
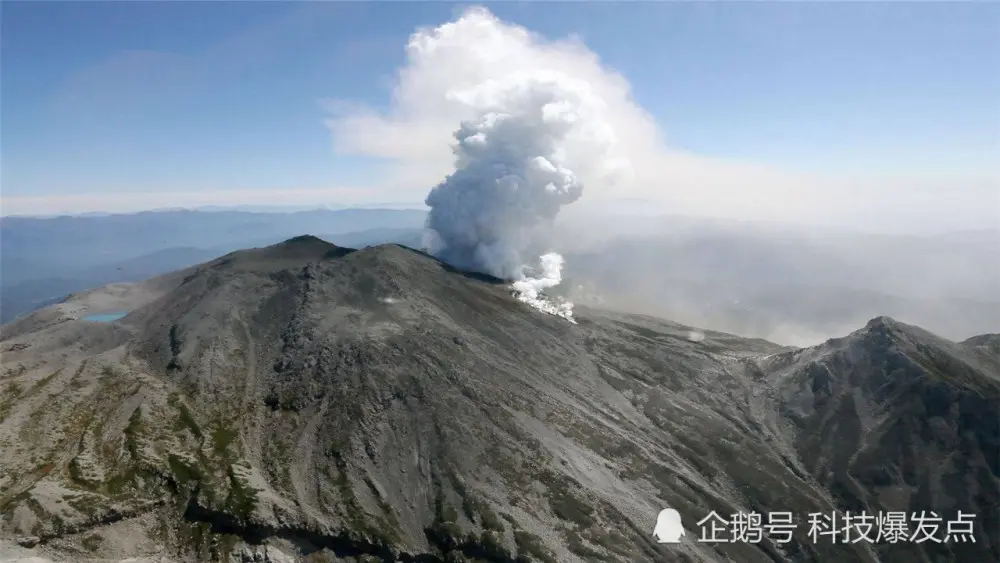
x=783 y=282
x=572 y=326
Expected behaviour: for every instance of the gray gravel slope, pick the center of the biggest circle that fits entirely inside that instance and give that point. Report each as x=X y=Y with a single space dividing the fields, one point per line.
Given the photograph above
x=309 y=402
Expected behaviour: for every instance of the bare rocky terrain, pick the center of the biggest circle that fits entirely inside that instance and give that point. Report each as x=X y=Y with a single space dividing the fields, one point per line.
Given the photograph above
x=306 y=402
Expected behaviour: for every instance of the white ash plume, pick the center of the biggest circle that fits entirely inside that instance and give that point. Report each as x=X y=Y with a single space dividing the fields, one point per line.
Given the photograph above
x=514 y=170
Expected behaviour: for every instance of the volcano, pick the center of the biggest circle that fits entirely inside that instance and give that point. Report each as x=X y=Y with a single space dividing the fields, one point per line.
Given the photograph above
x=307 y=402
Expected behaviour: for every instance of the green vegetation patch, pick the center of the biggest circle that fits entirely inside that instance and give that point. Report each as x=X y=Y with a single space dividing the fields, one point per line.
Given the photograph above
x=225 y=547
x=577 y=545
x=613 y=540
x=491 y=543
x=74 y=382
x=7 y=506
x=133 y=433
x=222 y=437
x=475 y=508
x=43 y=382
x=242 y=500
x=11 y=393
x=90 y=505
x=92 y=542
x=175 y=349
x=530 y=547
x=382 y=528
x=565 y=504
x=185 y=420
x=198 y=536
x=183 y=471
x=388 y=520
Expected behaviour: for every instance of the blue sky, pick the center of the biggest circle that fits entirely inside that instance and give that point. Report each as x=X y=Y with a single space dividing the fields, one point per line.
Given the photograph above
x=161 y=97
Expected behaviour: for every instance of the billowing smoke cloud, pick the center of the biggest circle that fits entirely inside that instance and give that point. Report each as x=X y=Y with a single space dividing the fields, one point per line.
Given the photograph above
x=514 y=170
x=530 y=288
x=511 y=175
x=413 y=134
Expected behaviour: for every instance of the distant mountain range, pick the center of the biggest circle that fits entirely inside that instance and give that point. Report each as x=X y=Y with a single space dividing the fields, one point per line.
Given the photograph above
x=786 y=283
x=43 y=260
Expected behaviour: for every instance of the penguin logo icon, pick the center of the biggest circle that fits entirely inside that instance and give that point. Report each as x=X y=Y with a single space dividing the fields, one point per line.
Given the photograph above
x=668 y=526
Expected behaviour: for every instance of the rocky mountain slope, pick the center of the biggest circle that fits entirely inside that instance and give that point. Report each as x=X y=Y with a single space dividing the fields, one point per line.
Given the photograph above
x=305 y=402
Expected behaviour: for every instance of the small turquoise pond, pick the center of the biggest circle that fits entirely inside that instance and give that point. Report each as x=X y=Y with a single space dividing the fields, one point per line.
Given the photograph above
x=105 y=317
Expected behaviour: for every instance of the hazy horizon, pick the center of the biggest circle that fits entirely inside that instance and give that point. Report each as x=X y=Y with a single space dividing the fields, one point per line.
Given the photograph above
x=745 y=148
x=741 y=111
x=789 y=284
x=624 y=213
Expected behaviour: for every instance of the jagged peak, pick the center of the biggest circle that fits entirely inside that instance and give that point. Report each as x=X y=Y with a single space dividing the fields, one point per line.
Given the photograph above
x=881 y=326
x=881 y=321
x=889 y=326
x=989 y=339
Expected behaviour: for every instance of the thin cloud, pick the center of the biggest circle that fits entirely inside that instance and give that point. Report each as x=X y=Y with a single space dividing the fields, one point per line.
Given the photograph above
x=127 y=202
x=413 y=136
x=415 y=133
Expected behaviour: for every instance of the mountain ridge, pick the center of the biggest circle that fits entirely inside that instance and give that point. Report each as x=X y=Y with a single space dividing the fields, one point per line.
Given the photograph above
x=330 y=402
